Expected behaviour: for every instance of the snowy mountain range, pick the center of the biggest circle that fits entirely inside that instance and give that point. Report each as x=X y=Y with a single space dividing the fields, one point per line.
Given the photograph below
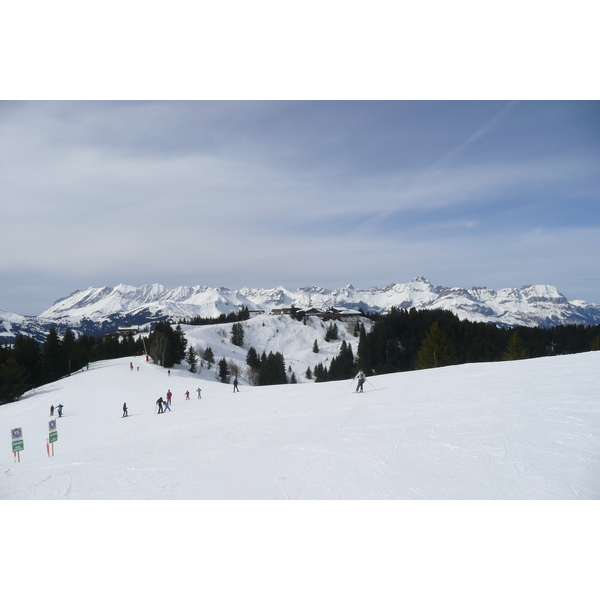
x=100 y=310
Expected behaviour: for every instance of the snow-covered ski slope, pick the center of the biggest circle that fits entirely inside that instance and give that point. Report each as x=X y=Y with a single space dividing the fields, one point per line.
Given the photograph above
x=515 y=430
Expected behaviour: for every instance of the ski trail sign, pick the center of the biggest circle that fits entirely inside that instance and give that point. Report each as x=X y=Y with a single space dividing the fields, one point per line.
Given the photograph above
x=16 y=435
x=52 y=436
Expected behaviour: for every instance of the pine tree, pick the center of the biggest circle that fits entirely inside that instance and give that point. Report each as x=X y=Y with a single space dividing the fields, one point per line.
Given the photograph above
x=192 y=359
x=52 y=364
x=315 y=347
x=436 y=350
x=159 y=342
x=179 y=346
x=252 y=359
x=224 y=371
x=320 y=373
x=515 y=349
x=332 y=333
x=68 y=351
x=237 y=334
x=309 y=373
x=209 y=357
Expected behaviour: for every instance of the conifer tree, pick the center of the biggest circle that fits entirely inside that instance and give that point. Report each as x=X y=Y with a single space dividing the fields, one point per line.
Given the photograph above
x=179 y=345
x=315 y=347
x=252 y=359
x=51 y=357
x=332 y=333
x=436 y=350
x=209 y=357
x=192 y=359
x=158 y=344
x=68 y=351
x=224 y=371
x=237 y=334
x=515 y=349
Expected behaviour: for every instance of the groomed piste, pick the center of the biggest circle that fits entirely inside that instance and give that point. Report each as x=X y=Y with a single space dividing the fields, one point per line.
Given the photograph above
x=513 y=430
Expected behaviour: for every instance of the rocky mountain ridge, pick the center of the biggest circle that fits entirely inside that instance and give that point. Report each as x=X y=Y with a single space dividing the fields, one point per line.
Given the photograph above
x=100 y=310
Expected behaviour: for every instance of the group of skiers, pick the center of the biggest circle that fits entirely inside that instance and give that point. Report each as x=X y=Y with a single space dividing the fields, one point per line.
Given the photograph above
x=59 y=410
x=165 y=405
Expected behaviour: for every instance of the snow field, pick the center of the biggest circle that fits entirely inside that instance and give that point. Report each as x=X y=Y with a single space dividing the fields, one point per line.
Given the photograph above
x=519 y=430
x=281 y=334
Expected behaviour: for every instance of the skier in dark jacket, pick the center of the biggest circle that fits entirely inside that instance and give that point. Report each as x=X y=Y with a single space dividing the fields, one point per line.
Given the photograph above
x=52 y=410
x=235 y=385
x=125 y=409
x=361 y=382
x=159 y=403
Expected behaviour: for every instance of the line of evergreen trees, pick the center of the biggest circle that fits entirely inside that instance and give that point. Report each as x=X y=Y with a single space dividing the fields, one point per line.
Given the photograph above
x=29 y=363
x=241 y=315
x=415 y=339
x=266 y=369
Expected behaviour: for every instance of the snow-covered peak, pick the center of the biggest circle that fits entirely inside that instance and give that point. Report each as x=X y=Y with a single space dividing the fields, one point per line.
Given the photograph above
x=530 y=305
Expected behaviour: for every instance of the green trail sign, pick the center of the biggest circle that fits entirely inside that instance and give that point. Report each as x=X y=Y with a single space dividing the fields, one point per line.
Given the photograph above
x=16 y=436
x=53 y=436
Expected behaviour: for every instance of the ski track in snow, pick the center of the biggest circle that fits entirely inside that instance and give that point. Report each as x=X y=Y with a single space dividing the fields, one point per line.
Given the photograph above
x=520 y=430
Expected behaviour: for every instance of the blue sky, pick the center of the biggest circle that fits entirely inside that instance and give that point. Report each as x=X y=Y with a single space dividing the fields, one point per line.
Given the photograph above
x=294 y=193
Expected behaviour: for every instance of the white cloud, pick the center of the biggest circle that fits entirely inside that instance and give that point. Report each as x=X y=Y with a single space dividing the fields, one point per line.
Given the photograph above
x=82 y=203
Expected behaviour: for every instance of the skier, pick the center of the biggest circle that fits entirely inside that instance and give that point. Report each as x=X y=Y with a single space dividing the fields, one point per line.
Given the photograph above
x=125 y=409
x=169 y=372
x=167 y=406
x=52 y=410
x=131 y=366
x=361 y=382
x=169 y=396
x=159 y=403
x=199 y=393
x=59 y=409
x=235 y=385
x=187 y=395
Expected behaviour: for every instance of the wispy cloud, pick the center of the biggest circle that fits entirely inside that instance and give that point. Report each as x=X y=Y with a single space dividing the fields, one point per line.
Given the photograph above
x=294 y=193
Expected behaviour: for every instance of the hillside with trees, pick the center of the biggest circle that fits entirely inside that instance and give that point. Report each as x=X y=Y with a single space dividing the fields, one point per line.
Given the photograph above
x=411 y=339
